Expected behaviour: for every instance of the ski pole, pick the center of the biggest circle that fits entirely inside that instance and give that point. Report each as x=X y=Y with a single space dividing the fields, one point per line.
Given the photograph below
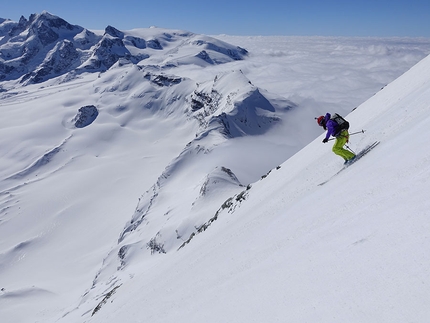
x=354 y=133
x=347 y=147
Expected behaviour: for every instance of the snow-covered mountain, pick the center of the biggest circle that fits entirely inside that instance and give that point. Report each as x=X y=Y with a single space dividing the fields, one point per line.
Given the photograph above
x=144 y=178
x=46 y=46
x=288 y=249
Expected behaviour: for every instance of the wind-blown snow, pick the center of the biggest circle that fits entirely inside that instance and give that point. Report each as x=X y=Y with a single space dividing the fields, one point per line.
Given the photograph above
x=192 y=195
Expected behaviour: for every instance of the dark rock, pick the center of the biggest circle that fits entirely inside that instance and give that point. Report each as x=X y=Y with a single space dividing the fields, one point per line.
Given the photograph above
x=62 y=58
x=154 y=44
x=163 y=80
x=86 y=115
x=114 y=32
x=16 y=29
x=135 y=41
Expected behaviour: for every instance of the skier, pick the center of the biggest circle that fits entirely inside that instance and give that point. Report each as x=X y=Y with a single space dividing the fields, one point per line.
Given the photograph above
x=338 y=128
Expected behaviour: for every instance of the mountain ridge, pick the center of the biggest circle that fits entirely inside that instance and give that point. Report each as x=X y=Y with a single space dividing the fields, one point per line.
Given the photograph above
x=46 y=46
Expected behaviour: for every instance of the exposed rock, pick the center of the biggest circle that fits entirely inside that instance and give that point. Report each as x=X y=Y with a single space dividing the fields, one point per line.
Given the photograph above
x=135 y=41
x=86 y=115
x=107 y=52
x=45 y=34
x=114 y=32
x=20 y=27
x=163 y=80
x=58 y=61
x=154 y=44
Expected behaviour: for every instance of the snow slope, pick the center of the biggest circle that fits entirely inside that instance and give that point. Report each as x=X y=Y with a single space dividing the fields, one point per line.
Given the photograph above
x=353 y=250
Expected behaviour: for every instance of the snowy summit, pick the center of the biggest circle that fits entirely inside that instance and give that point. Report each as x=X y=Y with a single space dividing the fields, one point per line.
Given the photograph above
x=157 y=175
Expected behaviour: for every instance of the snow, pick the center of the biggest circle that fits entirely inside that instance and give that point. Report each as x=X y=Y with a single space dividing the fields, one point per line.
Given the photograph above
x=149 y=214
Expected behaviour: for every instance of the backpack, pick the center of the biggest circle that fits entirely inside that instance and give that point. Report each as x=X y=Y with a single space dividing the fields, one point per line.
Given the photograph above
x=341 y=122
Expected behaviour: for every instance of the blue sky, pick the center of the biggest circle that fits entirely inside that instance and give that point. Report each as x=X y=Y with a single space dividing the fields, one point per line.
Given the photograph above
x=381 y=18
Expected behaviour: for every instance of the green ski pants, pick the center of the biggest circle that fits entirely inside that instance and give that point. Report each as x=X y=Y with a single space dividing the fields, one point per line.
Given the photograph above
x=338 y=149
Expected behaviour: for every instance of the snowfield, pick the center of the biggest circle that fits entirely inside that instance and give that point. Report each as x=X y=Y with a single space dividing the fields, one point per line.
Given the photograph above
x=181 y=183
x=355 y=249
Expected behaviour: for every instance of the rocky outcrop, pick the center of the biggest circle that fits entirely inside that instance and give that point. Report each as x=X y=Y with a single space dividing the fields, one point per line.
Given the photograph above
x=86 y=115
x=107 y=52
x=60 y=59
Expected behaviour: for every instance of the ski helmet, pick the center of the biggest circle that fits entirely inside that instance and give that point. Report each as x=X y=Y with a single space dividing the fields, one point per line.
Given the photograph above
x=320 y=120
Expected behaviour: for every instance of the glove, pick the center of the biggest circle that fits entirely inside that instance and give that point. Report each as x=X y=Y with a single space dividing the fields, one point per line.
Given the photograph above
x=325 y=140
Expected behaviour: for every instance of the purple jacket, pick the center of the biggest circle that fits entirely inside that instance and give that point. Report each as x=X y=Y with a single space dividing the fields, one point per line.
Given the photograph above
x=331 y=125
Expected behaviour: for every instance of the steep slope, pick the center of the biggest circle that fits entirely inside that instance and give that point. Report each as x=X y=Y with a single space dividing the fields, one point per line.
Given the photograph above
x=352 y=250
x=63 y=186
x=195 y=184
x=26 y=44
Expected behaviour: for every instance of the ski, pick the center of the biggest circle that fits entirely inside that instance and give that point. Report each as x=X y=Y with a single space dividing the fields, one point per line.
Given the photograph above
x=359 y=155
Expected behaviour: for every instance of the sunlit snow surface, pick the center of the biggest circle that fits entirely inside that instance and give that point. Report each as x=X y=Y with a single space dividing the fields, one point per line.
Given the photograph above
x=92 y=218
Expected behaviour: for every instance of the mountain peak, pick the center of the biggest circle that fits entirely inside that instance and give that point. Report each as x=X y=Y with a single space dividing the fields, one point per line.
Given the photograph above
x=51 y=21
x=112 y=31
x=28 y=46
